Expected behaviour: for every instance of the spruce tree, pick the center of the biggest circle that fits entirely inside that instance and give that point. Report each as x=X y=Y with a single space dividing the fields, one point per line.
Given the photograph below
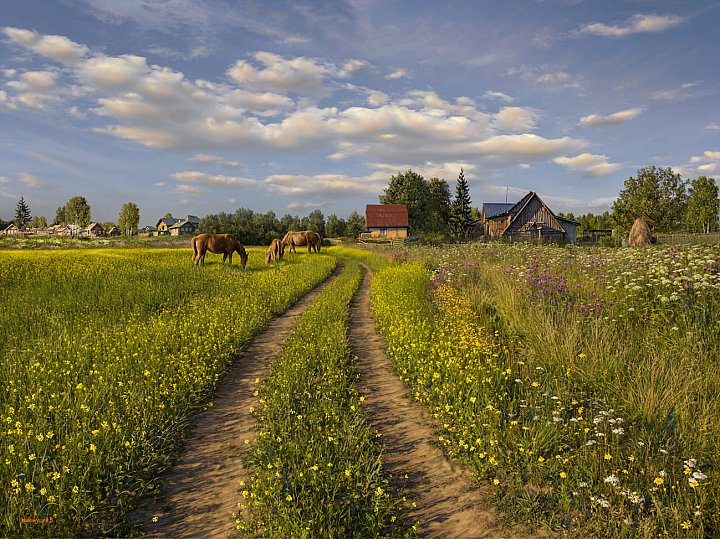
x=22 y=213
x=460 y=211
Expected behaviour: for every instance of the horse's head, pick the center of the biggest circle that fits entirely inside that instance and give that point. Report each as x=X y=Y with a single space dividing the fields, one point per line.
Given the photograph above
x=267 y=257
x=243 y=255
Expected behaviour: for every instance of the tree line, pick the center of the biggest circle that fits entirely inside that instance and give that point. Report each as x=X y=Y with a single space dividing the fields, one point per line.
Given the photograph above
x=261 y=228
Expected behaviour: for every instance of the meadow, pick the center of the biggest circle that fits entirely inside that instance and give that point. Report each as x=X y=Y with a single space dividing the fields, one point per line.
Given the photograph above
x=105 y=354
x=317 y=465
x=582 y=384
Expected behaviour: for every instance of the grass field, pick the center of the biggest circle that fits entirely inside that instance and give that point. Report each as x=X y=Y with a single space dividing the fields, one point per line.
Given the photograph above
x=105 y=354
x=581 y=383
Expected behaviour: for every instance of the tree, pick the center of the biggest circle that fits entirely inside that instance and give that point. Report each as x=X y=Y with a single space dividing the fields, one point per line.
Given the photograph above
x=410 y=189
x=438 y=214
x=703 y=205
x=77 y=212
x=129 y=218
x=22 y=213
x=657 y=195
x=60 y=216
x=316 y=221
x=335 y=226
x=355 y=225
x=460 y=210
x=38 y=222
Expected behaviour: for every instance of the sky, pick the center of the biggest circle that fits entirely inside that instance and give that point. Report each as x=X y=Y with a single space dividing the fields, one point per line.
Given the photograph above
x=202 y=106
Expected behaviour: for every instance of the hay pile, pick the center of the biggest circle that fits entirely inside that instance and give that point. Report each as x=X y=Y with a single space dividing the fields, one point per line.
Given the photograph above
x=639 y=234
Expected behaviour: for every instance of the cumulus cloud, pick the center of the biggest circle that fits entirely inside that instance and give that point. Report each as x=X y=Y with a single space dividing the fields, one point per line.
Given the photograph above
x=325 y=184
x=352 y=66
x=635 y=25
x=589 y=164
x=298 y=75
x=160 y=108
x=597 y=120
x=206 y=159
x=514 y=119
x=58 y=48
x=214 y=180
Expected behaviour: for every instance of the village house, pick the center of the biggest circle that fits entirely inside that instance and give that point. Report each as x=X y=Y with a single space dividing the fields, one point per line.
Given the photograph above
x=386 y=221
x=176 y=227
x=95 y=230
x=113 y=231
x=12 y=230
x=528 y=219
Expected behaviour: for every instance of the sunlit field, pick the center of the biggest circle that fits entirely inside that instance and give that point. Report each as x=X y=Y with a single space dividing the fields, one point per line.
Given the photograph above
x=317 y=465
x=105 y=354
x=582 y=384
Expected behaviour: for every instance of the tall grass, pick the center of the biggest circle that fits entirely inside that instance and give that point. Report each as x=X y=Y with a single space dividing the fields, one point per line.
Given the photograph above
x=608 y=410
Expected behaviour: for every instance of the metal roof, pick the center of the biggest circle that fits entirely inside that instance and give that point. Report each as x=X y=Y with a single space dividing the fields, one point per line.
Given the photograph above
x=491 y=209
x=386 y=216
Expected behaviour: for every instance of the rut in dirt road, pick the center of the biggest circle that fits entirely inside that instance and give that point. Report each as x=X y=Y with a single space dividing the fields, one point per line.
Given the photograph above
x=200 y=493
x=447 y=505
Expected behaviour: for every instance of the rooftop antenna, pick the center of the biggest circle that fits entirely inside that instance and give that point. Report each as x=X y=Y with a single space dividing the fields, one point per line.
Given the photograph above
x=506 y=192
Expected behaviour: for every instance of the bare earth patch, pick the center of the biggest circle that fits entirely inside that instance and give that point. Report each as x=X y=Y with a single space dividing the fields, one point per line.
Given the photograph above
x=447 y=504
x=200 y=493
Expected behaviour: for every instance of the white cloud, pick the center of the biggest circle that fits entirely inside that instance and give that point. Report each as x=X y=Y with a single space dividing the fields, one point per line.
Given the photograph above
x=188 y=189
x=353 y=66
x=514 y=119
x=325 y=184
x=712 y=126
x=298 y=75
x=206 y=159
x=611 y=119
x=674 y=93
x=32 y=181
x=397 y=74
x=40 y=80
x=58 y=48
x=589 y=164
x=497 y=95
x=215 y=180
x=546 y=76
x=526 y=146
x=635 y=25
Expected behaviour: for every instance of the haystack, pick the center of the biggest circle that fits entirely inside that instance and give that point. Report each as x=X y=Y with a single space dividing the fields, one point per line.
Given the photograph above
x=639 y=234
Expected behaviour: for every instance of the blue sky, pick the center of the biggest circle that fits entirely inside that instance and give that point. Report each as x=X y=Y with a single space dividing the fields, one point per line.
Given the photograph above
x=189 y=106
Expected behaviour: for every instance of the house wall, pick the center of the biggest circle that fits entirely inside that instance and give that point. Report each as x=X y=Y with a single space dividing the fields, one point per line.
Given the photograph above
x=534 y=211
x=495 y=227
x=389 y=232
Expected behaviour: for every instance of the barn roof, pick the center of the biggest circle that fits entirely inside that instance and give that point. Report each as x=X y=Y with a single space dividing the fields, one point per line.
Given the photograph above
x=386 y=216
x=491 y=209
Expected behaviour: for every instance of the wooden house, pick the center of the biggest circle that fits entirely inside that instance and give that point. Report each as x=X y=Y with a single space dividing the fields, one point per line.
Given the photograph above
x=163 y=225
x=95 y=230
x=386 y=220
x=12 y=230
x=113 y=231
x=530 y=219
x=182 y=228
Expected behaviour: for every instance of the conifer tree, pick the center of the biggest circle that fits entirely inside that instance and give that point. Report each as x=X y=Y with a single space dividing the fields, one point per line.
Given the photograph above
x=460 y=211
x=22 y=213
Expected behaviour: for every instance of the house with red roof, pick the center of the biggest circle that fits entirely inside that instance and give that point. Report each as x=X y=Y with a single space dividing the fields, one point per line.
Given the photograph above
x=386 y=221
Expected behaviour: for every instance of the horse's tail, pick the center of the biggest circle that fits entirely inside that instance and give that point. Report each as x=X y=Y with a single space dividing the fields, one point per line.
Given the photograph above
x=194 y=247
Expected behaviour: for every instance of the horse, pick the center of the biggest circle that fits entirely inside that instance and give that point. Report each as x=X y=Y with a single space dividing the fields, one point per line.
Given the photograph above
x=299 y=239
x=226 y=244
x=274 y=252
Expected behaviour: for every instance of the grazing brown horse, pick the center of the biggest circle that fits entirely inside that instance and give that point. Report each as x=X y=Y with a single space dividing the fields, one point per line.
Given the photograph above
x=274 y=252
x=299 y=239
x=225 y=244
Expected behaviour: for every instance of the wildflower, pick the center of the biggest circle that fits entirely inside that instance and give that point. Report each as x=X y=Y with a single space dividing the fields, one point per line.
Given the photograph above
x=612 y=480
x=686 y=525
x=563 y=475
x=659 y=481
